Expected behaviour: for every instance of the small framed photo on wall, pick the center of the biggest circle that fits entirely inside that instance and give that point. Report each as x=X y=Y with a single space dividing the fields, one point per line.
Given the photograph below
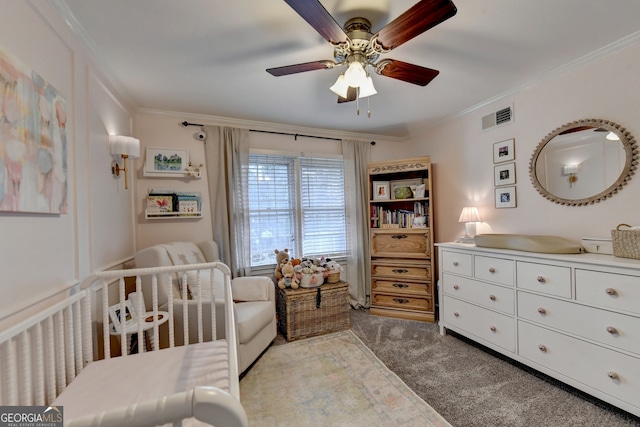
x=506 y=197
x=381 y=190
x=504 y=151
x=504 y=174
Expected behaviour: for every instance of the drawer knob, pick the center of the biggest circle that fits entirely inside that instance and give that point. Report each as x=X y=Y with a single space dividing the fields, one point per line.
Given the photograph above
x=492 y=297
x=542 y=348
x=613 y=375
x=493 y=329
x=400 y=285
x=612 y=330
x=456 y=287
x=611 y=291
x=542 y=311
x=401 y=300
x=400 y=270
x=455 y=313
x=455 y=263
x=541 y=279
x=492 y=270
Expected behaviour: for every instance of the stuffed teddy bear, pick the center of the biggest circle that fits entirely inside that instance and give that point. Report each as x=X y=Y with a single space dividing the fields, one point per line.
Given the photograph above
x=288 y=279
x=282 y=257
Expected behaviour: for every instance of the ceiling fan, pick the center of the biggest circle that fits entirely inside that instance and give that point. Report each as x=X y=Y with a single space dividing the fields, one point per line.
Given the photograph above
x=356 y=47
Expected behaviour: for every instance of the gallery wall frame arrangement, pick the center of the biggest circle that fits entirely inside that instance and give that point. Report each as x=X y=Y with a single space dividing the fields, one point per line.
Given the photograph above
x=504 y=173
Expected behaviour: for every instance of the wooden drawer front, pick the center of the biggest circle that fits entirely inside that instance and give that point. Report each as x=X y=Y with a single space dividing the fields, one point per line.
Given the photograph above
x=495 y=270
x=398 y=243
x=404 y=302
x=617 y=291
x=485 y=294
x=400 y=288
x=587 y=363
x=402 y=272
x=493 y=327
x=616 y=330
x=456 y=262
x=548 y=279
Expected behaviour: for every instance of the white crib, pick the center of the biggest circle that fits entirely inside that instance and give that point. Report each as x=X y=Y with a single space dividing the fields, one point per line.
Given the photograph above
x=49 y=359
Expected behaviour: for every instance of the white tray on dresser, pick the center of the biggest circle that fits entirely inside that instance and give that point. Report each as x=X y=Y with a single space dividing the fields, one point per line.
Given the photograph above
x=573 y=317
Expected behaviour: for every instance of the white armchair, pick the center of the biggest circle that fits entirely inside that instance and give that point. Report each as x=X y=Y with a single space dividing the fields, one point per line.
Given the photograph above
x=254 y=299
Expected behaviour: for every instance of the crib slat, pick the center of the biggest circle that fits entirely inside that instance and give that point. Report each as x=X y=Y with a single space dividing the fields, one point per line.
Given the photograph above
x=185 y=308
x=77 y=336
x=199 y=305
x=105 y=320
x=59 y=352
x=9 y=373
x=172 y=335
x=50 y=360
x=214 y=331
x=24 y=370
x=38 y=365
x=69 y=352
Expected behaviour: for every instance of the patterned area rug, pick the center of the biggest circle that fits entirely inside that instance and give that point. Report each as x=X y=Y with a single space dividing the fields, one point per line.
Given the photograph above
x=331 y=380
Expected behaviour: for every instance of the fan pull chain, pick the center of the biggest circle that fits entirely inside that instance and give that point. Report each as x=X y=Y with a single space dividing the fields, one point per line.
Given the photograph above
x=358 y=101
x=368 y=109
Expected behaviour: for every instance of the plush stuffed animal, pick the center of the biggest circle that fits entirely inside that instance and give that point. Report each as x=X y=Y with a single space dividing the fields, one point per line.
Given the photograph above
x=288 y=279
x=282 y=257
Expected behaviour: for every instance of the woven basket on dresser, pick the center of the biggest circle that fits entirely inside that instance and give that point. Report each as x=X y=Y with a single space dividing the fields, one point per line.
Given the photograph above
x=626 y=243
x=308 y=312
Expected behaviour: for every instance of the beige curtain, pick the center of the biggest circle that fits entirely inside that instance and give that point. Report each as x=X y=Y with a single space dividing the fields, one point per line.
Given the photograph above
x=356 y=156
x=226 y=156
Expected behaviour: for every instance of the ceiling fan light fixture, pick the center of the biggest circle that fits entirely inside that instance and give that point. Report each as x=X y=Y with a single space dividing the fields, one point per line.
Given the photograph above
x=340 y=87
x=355 y=75
x=367 y=89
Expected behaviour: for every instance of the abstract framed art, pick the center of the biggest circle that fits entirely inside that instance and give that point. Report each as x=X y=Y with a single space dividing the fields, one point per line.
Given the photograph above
x=506 y=197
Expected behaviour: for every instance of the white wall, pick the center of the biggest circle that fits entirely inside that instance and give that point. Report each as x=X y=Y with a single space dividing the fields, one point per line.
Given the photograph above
x=607 y=88
x=43 y=256
x=164 y=130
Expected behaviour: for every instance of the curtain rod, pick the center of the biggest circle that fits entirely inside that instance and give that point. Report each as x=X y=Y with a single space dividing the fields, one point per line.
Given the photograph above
x=295 y=135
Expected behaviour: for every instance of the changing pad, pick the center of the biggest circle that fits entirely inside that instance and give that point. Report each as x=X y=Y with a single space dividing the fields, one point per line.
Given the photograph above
x=528 y=243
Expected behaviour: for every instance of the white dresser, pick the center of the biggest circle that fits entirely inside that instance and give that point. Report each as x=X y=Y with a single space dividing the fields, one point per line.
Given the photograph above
x=574 y=317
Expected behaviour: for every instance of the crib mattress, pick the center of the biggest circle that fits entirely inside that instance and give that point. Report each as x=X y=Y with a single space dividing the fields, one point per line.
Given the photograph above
x=123 y=381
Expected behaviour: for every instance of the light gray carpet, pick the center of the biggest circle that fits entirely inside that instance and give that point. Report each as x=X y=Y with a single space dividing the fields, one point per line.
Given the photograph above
x=472 y=386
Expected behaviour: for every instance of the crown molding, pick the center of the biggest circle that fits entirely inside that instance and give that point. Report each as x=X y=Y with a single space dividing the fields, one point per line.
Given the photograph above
x=94 y=53
x=542 y=78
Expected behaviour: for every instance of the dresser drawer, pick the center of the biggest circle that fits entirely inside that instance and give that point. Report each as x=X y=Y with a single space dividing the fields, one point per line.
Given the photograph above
x=398 y=269
x=491 y=296
x=493 y=327
x=548 y=279
x=407 y=243
x=495 y=270
x=584 y=362
x=404 y=302
x=456 y=262
x=613 y=329
x=398 y=287
x=617 y=291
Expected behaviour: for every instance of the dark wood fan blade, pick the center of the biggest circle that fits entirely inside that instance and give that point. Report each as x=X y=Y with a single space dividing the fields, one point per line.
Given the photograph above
x=352 y=94
x=317 y=16
x=301 y=68
x=415 y=21
x=408 y=72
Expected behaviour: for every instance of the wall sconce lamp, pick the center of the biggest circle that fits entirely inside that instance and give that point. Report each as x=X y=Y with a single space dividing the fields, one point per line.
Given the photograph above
x=572 y=171
x=469 y=216
x=125 y=147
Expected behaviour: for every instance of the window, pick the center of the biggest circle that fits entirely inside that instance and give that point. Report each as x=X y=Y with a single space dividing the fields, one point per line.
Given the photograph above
x=296 y=203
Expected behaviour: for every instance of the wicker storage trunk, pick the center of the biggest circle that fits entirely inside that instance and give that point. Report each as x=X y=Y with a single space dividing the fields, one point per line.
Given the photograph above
x=307 y=312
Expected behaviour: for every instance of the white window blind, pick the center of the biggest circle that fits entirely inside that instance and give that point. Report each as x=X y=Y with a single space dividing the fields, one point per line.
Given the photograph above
x=296 y=203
